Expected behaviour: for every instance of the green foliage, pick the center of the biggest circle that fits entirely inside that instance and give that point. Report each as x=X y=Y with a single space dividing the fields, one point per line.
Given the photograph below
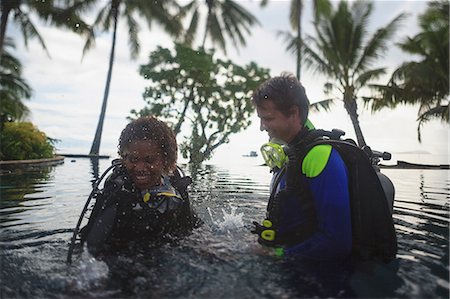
x=112 y=11
x=13 y=88
x=224 y=19
x=23 y=141
x=294 y=40
x=56 y=13
x=208 y=97
x=424 y=82
x=107 y=19
x=343 y=50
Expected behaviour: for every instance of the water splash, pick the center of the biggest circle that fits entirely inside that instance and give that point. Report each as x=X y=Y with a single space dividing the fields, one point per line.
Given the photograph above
x=89 y=273
x=231 y=221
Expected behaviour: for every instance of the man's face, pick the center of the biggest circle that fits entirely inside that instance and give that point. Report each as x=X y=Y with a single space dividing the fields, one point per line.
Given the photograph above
x=277 y=124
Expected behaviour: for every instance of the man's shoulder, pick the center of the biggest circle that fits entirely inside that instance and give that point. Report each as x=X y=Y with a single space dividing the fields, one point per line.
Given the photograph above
x=316 y=159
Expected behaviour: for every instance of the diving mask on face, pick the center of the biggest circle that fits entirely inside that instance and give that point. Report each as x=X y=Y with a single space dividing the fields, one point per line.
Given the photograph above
x=273 y=154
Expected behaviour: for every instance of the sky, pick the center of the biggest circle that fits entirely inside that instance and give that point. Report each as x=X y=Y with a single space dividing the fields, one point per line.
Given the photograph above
x=68 y=90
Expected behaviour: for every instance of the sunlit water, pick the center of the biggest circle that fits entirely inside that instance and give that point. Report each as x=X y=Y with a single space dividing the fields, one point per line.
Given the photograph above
x=221 y=259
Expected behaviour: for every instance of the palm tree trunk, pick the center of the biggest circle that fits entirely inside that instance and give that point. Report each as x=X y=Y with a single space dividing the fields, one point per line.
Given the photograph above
x=299 y=38
x=352 y=107
x=95 y=149
x=3 y=22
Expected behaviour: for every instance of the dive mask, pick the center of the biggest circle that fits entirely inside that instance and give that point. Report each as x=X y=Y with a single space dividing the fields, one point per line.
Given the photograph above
x=273 y=154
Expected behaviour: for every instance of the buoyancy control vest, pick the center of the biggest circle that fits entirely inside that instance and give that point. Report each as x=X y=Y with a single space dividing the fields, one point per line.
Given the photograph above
x=371 y=198
x=118 y=190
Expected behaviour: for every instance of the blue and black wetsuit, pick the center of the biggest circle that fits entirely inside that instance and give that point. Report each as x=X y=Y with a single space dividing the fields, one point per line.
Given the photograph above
x=124 y=215
x=312 y=217
x=328 y=201
x=327 y=180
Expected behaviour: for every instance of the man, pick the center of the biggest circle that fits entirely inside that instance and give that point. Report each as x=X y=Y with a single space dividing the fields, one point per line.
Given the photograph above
x=309 y=208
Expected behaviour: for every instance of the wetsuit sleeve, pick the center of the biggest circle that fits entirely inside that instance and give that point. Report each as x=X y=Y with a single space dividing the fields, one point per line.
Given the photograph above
x=328 y=182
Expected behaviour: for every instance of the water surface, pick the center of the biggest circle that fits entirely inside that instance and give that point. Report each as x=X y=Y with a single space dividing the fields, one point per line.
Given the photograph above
x=39 y=208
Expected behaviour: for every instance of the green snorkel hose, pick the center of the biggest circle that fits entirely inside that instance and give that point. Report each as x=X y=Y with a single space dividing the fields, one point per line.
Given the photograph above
x=94 y=191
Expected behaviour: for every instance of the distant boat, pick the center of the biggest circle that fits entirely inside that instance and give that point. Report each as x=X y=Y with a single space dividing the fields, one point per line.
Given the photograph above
x=251 y=154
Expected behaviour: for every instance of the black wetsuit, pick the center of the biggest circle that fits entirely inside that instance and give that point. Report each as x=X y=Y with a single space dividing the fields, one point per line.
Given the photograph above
x=124 y=216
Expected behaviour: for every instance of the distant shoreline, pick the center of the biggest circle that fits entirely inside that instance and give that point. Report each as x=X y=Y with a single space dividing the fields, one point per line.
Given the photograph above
x=408 y=165
x=18 y=163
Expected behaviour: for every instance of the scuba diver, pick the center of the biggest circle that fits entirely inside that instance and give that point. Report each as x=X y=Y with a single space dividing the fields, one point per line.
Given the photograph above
x=327 y=200
x=145 y=199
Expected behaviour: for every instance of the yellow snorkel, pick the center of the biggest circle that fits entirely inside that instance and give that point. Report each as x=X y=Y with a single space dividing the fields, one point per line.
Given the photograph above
x=273 y=154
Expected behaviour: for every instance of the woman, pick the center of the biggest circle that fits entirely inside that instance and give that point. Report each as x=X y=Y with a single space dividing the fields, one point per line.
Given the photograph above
x=144 y=200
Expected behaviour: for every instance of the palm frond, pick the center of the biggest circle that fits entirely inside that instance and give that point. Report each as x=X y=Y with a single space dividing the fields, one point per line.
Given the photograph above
x=29 y=30
x=324 y=105
x=440 y=112
x=295 y=10
x=313 y=60
x=99 y=21
x=377 y=45
x=289 y=40
x=216 y=32
x=133 y=30
x=192 y=29
x=369 y=75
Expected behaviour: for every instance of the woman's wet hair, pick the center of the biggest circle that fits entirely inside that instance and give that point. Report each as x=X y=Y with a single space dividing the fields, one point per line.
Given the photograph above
x=157 y=132
x=285 y=91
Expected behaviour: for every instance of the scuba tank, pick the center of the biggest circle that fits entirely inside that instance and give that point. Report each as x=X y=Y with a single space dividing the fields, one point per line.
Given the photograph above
x=386 y=183
x=371 y=196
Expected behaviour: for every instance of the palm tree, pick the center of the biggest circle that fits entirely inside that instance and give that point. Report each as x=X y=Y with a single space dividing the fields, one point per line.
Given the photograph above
x=107 y=17
x=343 y=51
x=424 y=82
x=13 y=88
x=224 y=18
x=65 y=17
x=294 y=42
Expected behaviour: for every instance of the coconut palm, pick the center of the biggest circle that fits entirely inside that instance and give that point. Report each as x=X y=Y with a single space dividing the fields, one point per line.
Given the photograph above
x=224 y=18
x=13 y=88
x=423 y=82
x=294 y=42
x=21 y=11
x=107 y=19
x=343 y=51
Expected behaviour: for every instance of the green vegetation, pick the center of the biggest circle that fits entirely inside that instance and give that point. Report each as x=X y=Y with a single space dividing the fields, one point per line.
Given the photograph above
x=223 y=18
x=208 y=97
x=343 y=51
x=107 y=19
x=18 y=140
x=13 y=88
x=23 y=141
x=50 y=11
x=424 y=82
x=294 y=41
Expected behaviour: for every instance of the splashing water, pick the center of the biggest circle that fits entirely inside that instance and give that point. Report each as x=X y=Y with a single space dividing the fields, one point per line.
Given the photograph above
x=89 y=273
x=230 y=222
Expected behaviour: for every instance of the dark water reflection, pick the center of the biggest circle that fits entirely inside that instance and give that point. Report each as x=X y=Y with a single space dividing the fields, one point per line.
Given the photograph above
x=39 y=208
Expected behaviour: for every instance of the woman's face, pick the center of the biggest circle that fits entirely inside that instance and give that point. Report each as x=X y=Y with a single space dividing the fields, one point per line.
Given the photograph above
x=144 y=163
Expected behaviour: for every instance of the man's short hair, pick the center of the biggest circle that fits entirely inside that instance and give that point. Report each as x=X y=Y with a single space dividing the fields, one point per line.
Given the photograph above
x=285 y=91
